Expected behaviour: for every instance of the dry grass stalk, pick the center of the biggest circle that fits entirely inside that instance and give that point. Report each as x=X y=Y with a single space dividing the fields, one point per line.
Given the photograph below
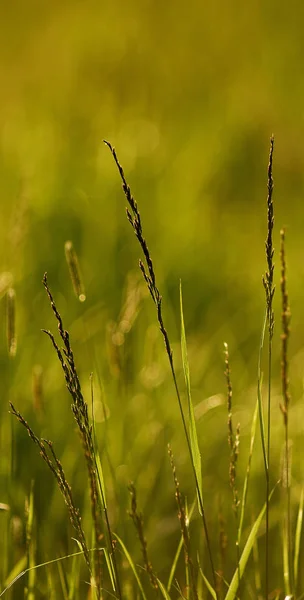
x=233 y=442
x=73 y=264
x=55 y=467
x=269 y=291
x=268 y=277
x=148 y=273
x=223 y=543
x=183 y=519
x=138 y=521
x=285 y=335
x=80 y=411
x=11 y=322
x=285 y=332
x=233 y=438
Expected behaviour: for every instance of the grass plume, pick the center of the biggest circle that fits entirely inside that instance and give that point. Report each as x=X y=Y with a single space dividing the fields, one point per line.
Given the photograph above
x=73 y=264
x=11 y=322
x=80 y=411
x=56 y=468
x=269 y=291
x=233 y=442
x=148 y=272
x=138 y=521
x=285 y=335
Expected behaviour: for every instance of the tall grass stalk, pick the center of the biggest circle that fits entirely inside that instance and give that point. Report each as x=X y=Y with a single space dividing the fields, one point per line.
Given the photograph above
x=233 y=442
x=138 y=521
x=73 y=264
x=269 y=291
x=148 y=273
x=86 y=431
x=285 y=407
x=55 y=467
x=11 y=322
x=184 y=525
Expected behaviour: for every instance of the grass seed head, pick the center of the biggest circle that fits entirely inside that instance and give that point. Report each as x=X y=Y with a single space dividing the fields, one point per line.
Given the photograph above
x=73 y=264
x=11 y=322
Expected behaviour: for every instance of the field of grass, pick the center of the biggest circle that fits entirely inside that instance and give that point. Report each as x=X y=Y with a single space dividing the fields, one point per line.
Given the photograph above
x=189 y=96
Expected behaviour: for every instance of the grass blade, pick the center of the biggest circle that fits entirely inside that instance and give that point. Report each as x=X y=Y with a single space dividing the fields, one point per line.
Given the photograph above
x=30 y=541
x=17 y=574
x=234 y=585
x=192 y=424
x=245 y=487
x=74 y=578
x=174 y=564
x=178 y=551
x=132 y=565
x=286 y=570
x=208 y=585
x=259 y=394
x=163 y=590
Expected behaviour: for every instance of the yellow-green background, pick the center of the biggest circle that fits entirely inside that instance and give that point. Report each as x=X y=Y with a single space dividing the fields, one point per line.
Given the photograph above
x=189 y=94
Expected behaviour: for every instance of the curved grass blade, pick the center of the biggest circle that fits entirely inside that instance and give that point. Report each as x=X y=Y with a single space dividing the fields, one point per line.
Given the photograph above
x=30 y=540
x=109 y=556
x=192 y=425
x=178 y=551
x=286 y=561
x=259 y=392
x=174 y=564
x=234 y=585
x=163 y=590
x=208 y=585
x=132 y=565
x=245 y=487
x=10 y=582
x=14 y=574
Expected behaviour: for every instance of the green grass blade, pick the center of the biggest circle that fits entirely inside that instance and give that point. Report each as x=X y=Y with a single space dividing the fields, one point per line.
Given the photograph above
x=110 y=568
x=100 y=477
x=192 y=425
x=174 y=564
x=64 y=590
x=178 y=551
x=286 y=560
x=132 y=565
x=245 y=487
x=259 y=393
x=74 y=578
x=298 y=539
x=16 y=574
x=30 y=539
x=17 y=571
x=163 y=590
x=233 y=587
x=110 y=559
x=208 y=585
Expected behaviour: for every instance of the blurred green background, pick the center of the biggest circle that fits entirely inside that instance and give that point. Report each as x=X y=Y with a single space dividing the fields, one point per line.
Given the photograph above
x=189 y=94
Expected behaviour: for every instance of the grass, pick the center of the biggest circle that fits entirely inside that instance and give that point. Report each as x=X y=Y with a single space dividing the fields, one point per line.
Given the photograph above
x=237 y=562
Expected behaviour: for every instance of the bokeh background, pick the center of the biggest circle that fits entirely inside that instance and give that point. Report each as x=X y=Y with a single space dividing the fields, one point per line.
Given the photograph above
x=189 y=94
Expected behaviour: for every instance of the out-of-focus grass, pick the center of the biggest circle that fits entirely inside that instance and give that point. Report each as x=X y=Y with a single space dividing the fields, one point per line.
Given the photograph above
x=189 y=94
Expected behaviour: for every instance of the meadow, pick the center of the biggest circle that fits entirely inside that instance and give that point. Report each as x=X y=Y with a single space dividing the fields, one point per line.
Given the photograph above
x=188 y=96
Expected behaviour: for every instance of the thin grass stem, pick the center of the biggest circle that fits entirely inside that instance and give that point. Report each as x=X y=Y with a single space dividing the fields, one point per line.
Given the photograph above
x=285 y=335
x=148 y=273
x=269 y=291
x=233 y=442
